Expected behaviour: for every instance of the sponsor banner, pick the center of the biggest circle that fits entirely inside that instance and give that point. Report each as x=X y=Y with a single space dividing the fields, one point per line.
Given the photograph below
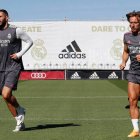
x=74 y=44
x=93 y=74
x=41 y=75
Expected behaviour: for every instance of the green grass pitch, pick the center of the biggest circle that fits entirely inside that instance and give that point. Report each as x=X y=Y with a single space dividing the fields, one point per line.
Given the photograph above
x=70 y=110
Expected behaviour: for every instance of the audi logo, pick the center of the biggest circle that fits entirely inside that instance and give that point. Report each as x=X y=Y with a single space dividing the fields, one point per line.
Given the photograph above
x=38 y=75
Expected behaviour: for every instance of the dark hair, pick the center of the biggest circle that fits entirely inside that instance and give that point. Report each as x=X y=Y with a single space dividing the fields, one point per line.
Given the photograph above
x=132 y=14
x=138 y=12
x=5 y=12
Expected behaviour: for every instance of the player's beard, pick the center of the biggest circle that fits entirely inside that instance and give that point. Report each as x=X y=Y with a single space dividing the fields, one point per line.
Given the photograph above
x=135 y=30
x=3 y=24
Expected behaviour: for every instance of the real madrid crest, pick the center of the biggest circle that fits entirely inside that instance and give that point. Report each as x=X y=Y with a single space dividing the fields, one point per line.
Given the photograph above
x=38 y=51
x=116 y=50
x=9 y=36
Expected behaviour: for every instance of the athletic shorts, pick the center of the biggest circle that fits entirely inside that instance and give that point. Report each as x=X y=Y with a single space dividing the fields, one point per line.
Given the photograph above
x=134 y=78
x=9 y=79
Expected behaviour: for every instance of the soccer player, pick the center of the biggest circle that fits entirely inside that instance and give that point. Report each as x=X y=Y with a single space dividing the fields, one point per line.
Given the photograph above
x=128 y=106
x=132 y=50
x=11 y=52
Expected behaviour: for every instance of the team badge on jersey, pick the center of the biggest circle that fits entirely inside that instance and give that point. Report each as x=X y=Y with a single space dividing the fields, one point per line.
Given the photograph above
x=9 y=36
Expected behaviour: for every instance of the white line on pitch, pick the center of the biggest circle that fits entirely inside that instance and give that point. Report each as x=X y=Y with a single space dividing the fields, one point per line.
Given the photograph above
x=71 y=119
x=71 y=97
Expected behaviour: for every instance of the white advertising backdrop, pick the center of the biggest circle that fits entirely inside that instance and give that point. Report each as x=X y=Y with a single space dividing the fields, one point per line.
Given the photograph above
x=74 y=44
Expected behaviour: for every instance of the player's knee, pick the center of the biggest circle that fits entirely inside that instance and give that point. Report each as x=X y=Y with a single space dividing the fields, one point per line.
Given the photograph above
x=133 y=101
x=6 y=97
x=6 y=93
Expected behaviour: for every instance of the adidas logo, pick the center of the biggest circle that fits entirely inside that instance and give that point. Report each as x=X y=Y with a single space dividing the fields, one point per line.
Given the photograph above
x=113 y=76
x=72 y=51
x=94 y=76
x=75 y=76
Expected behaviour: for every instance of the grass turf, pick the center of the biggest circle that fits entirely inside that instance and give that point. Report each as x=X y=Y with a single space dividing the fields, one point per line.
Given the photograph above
x=70 y=110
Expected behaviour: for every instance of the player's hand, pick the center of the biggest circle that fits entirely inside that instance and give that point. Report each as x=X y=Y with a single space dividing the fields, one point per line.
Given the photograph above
x=138 y=57
x=14 y=56
x=122 y=66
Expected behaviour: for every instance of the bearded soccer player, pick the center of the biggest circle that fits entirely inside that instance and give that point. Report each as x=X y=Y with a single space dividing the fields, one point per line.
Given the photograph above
x=11 y=52
x=132 y=50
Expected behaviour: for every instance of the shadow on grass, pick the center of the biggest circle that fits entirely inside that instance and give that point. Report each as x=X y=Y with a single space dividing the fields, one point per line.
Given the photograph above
x=122 y=84
x=48 y=126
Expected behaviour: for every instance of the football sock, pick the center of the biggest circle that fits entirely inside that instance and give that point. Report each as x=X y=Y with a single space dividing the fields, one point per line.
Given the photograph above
x=18 y=109
x=135 y=124
x=17 y=120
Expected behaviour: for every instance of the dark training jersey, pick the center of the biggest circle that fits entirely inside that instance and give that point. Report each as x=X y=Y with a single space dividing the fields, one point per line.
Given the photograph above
x=133 y=43
x=10 y=43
